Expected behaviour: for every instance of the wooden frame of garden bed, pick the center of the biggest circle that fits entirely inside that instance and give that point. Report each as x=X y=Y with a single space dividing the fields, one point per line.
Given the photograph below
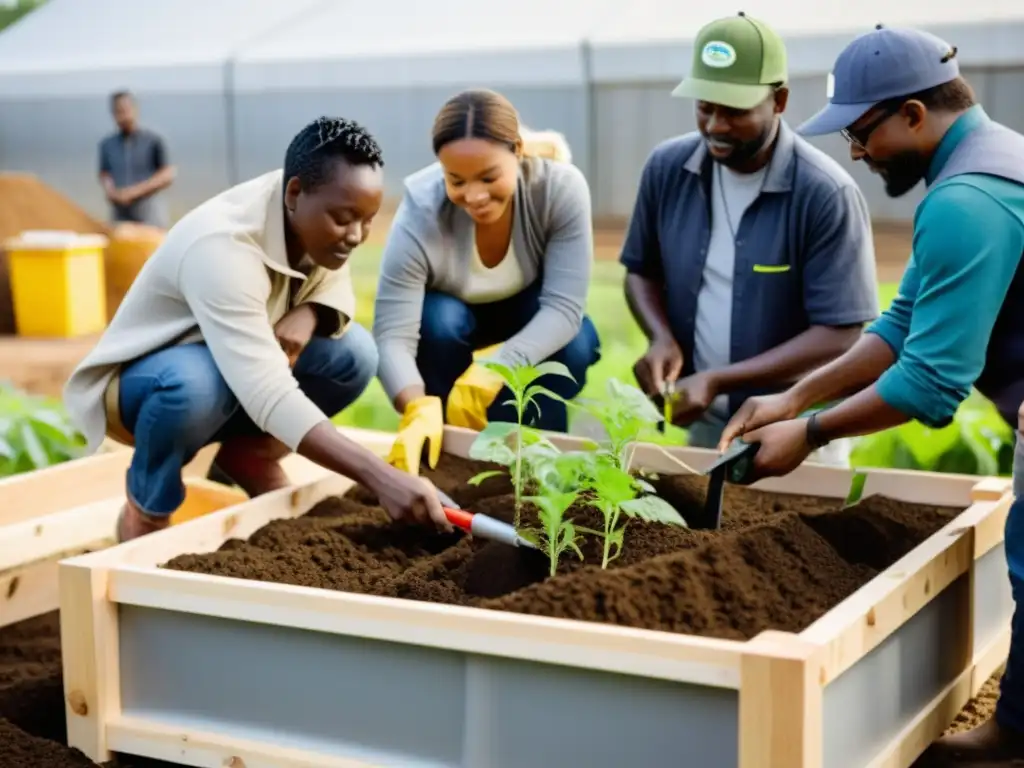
x=211 y=671
x=70 y=508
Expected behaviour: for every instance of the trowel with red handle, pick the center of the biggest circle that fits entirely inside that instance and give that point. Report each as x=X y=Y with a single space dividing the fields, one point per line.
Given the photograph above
x=481 y=526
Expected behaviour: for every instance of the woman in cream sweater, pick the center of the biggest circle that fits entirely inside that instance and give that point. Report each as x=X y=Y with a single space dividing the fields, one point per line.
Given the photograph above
x=490 y=246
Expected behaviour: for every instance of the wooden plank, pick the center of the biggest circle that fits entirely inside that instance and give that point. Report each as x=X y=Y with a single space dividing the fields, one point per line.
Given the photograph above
x=820 y=480
x=780 y=723
x=212 y=750
x=603 y=647
x=88 y=633
x=990 y=660
x=31 y=549
x=988 y=532
x=876 y=610
x=991 y=488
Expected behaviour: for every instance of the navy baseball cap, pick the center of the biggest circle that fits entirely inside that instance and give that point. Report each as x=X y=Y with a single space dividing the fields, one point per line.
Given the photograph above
x=883 y=64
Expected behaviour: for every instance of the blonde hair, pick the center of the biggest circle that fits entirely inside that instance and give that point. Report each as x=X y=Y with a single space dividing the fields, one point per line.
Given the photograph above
x=549 y=144
x=486 y=114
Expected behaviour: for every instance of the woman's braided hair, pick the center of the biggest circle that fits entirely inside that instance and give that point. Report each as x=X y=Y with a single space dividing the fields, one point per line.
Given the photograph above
x=323 y=141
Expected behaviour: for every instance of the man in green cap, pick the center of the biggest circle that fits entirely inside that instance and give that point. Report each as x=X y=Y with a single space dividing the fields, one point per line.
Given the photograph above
x=749 y=255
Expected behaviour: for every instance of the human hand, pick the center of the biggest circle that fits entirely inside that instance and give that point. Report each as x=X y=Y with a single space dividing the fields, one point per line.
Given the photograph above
x=118 y=197
x=422 y=422
x=783 y=448
x=663 y=362
x=692 y=396
x=758 y=412
x=407 y=497
x=294 y=330
x=472 y=395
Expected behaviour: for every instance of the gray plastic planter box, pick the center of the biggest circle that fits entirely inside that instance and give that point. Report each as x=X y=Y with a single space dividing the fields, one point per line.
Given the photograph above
x=215 y=672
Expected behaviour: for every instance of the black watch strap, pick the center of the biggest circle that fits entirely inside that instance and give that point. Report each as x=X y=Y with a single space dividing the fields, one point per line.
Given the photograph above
x=814 y=437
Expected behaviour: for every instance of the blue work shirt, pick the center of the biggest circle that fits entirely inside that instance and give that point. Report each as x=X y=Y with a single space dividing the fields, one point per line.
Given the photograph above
x=968 y=241
x=130 y=159
x=804 y=249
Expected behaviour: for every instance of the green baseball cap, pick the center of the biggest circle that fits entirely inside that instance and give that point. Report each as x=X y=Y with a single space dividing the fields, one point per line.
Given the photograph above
x=736 y=63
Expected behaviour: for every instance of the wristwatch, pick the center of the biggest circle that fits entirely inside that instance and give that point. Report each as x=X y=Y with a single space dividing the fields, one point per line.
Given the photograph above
x=814 y=437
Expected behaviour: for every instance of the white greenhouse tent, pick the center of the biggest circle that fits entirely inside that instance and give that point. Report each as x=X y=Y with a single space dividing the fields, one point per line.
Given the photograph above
x=59 y=64
x=391 y=66
x=641 y=52
x=229 y=82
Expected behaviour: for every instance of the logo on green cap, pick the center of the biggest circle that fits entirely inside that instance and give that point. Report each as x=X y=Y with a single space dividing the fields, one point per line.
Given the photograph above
x=718 y=54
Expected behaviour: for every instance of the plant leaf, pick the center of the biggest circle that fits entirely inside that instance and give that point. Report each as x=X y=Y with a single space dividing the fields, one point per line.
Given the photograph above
x=477 y=479
x=856 y=488
x=553 y=368
x=653 y=509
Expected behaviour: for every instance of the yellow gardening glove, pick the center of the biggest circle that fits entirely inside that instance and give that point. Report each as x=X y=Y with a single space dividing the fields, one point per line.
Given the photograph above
x=472 y=395
x=486 y=352
x=422 y=421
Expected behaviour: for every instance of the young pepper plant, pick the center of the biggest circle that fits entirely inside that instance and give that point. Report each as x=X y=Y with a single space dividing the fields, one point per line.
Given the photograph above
x=616 y=492
x=492 y=442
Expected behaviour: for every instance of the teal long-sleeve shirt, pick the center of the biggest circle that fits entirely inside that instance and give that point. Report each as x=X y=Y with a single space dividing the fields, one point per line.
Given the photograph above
x=968 y=240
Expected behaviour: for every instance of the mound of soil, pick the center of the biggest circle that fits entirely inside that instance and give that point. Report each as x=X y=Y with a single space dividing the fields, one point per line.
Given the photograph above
x=32 y=727
x=779 y=562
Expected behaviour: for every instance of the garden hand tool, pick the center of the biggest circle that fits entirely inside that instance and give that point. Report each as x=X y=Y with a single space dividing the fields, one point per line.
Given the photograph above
x=422 y=422
x=472 y=395
x=735 y=465
x=481 y=526
x=668 y=393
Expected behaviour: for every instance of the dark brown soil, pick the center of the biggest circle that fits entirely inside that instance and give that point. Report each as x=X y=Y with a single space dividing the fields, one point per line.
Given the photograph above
x=32 y=728
x=780 y=562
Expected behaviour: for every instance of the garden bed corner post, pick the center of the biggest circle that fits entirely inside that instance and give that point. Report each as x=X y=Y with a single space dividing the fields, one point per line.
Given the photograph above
x=89 y=639
x=780 y=703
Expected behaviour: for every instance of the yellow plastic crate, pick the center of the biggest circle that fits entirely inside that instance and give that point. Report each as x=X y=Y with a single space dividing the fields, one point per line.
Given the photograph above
x=57 y=283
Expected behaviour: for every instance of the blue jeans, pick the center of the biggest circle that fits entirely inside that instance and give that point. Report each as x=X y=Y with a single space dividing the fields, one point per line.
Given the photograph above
x=1010 y=707
x=175 y=401
x=451 y=330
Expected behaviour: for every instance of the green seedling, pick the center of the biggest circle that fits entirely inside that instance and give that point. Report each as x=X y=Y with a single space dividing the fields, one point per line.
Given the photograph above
x=601 y=474
x=492 y=442
x=557 y=534
x=617 y=492
x=856 y=488
x=625 y=415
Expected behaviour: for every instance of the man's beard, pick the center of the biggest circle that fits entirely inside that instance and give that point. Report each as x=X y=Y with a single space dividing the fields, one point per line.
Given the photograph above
x=902 y=172
x=743 y=151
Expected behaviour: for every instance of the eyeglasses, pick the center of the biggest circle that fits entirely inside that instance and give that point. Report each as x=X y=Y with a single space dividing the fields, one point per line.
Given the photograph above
x=861 y=136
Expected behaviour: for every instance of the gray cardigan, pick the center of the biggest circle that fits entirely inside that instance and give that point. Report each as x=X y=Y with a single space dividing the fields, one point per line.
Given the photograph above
x=430 y=246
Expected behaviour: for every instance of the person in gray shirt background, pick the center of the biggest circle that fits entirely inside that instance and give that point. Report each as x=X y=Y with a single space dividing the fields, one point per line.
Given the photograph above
x=134 y=168
x=490 y=246
x=749 y=254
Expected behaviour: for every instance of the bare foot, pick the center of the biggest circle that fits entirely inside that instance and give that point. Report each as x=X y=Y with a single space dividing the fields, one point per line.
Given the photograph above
x=253 y=463
x=132 y=523
x=987 y=746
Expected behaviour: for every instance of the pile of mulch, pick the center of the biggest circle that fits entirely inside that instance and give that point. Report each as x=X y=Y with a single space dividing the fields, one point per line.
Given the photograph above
x=28 y=203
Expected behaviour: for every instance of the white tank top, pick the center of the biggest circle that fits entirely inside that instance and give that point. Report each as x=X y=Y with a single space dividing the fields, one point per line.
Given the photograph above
x=490 y=284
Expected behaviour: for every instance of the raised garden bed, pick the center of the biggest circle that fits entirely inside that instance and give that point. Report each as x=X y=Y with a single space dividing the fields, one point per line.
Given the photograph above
x=892 y=616
x=70 y=508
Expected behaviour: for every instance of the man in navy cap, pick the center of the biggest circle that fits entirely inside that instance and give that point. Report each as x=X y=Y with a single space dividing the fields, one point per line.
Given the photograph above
x=898 y=98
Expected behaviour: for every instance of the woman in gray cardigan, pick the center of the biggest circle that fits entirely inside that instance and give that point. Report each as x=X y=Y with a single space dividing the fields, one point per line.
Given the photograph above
x=492 y=245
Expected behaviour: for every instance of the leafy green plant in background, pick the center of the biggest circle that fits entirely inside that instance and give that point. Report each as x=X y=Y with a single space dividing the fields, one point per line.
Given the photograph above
x=34 y=433
x=978 y=442
x=12 y=12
